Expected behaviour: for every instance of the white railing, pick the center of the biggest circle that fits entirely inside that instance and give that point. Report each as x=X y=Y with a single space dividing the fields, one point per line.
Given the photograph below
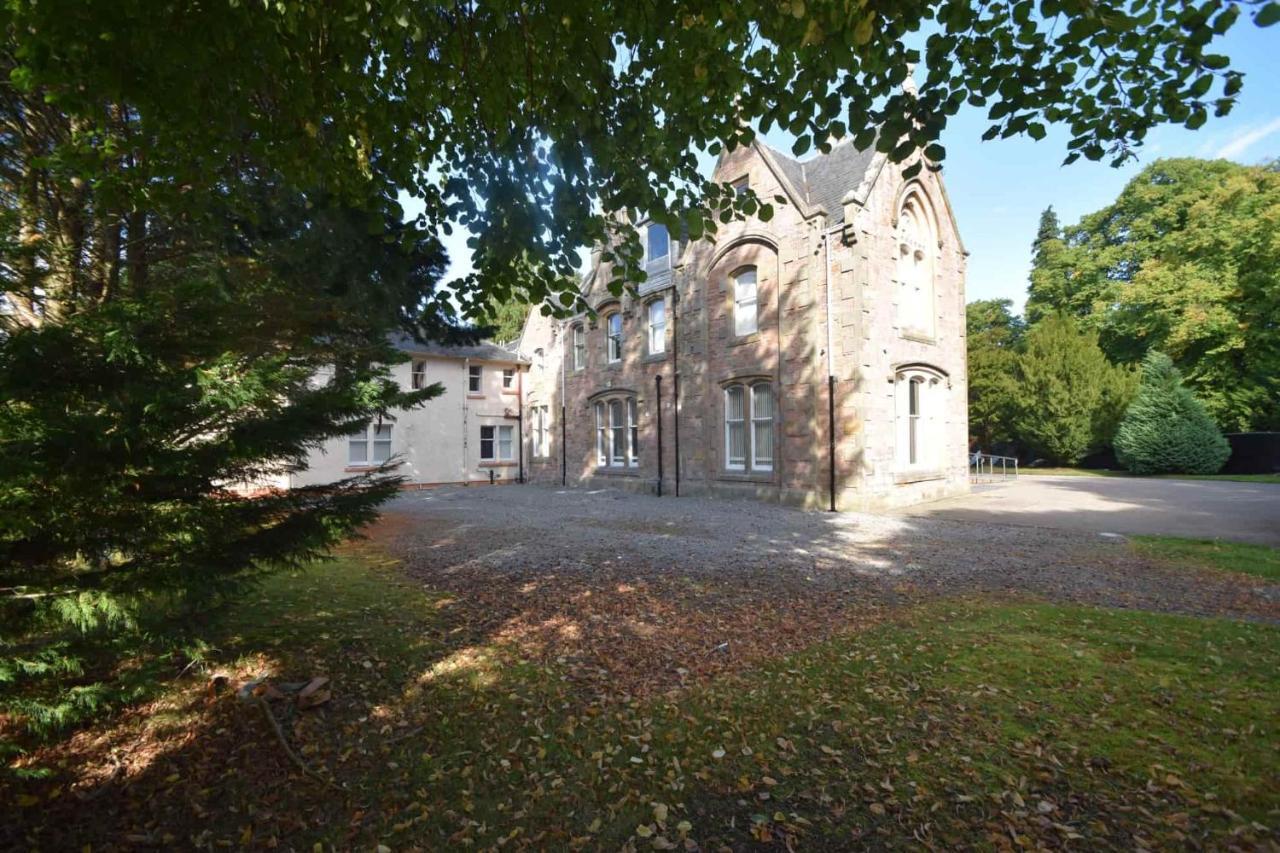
x=984 y=466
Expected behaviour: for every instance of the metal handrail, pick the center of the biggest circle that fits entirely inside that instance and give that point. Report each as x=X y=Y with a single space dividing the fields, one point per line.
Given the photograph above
x=983 y=465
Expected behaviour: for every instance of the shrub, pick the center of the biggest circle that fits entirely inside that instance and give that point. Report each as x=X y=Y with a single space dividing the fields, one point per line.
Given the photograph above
x=1166 y=430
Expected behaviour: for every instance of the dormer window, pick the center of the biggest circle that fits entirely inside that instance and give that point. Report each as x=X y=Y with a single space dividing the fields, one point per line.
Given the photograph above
x=657 y=249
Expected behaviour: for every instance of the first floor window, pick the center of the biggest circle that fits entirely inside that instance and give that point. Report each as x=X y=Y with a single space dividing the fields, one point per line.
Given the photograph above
x=508 y=378
x=579 y=347
x=657 y=326
x=748 y=427
x=369 y=445
x=617 y=434
x=497 y=443
x=541 y=431
x=419 y=375
x=744 y=302
x=474 y=374
x=613 y=332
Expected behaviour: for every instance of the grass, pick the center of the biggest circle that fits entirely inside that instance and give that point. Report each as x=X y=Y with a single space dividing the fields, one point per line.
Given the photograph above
x=960 y=723
x=1097 y=472
x=1260 y=560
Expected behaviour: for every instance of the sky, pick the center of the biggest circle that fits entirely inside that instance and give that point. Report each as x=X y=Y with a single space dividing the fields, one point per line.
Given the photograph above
x=999 y=188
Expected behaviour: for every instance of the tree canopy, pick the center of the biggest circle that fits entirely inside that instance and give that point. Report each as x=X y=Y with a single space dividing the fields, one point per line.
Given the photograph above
x=1186 y=261
x=994 y=336
x=534 y=127
x=1165 y=429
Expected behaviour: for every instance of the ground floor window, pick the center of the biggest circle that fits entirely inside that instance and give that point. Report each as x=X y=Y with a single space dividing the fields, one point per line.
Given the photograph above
x=497 y=443
x=369 y=445
x=617 y=433
x=748 y=427
x=541 y=418
x=919 y=402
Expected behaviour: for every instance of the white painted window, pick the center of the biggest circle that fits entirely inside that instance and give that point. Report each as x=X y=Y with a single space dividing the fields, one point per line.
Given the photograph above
x=370 y=445
x=541 y=431
x=508 y=378
x=579 y=347
x=735 y=429
x=657 y=249
x=762 y=427
x=749 y=414
x=744 y=301
x=613 y=333
x=602 y=430
x=474 y=375
x=418 y=376
x=915 y=308
x=919 y=408
x=497 y=443
x=617 y=433
x=657 y=326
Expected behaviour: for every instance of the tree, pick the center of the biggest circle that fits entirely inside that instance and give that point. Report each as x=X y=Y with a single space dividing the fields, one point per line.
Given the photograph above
x=1070 y=394
x=508 y=319
x=1185 y=261
x=1166 y=430
x=200 y=217
x=994 y=333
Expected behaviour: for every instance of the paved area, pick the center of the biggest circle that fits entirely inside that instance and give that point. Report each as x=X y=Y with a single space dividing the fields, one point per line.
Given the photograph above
x=1199 y=509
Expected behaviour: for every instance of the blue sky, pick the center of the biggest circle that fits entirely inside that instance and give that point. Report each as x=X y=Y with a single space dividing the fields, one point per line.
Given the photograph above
x=999 y=188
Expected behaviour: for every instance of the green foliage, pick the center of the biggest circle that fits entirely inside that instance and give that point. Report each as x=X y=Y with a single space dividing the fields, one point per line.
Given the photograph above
x=1166 y=430
x=127 y=424
x=994 y=334
x=507 y=319
x=1185 y=261
x=611 y=98
x=1070 y=395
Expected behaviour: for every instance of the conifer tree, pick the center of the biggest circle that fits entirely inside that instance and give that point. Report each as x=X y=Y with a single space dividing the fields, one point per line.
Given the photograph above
x=1068 y=391
x=1166 y=430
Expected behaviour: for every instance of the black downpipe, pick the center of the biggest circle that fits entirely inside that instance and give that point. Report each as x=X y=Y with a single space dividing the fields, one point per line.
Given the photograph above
x=657 y=416
x=564 y=449
x=831 y=437
x=520 y=436
x=675 y=379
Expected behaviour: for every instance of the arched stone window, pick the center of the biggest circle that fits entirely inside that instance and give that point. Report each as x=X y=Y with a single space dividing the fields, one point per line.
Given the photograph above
x=579 y=347
x=920 y=394
x=915 y=246
x=617 y=433
x=748 y=426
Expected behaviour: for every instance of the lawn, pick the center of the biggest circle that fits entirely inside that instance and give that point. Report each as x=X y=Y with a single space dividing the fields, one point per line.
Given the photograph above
x=952 y=723
x=1097 y=472
x=1260 y=560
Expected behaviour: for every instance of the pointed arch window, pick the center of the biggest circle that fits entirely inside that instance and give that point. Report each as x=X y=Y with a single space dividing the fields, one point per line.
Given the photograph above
x=915 y=250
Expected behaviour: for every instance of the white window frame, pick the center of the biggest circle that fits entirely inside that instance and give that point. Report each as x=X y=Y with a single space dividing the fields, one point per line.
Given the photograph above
x=919 y=408
x=418 y=374
x=657 y=327
x=579 y=347
x=617 y=433
x=751 y=422
x=758 y=462
x=746 y=311
x=612 y=342
x=508 y=378
x=732 y=463
x=375 y=442
x=915 y=268
x=656 y=263
x=475 y=379
x=541 y=431
x=500 y=437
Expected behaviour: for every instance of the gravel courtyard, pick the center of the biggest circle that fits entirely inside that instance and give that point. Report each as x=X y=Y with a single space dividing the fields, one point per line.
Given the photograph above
x=638 y=593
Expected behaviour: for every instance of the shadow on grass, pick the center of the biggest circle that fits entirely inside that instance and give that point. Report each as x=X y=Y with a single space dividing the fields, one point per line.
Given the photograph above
x=585 y=702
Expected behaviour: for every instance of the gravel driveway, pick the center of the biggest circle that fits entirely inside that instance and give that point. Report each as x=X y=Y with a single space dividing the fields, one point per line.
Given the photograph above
x=641 y=592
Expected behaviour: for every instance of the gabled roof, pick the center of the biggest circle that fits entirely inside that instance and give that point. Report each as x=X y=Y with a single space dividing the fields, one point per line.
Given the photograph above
x=822 y=181
x=483 y=351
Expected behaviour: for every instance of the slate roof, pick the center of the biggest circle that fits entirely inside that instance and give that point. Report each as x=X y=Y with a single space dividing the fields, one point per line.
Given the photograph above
x=825 y=179
x=484 y=351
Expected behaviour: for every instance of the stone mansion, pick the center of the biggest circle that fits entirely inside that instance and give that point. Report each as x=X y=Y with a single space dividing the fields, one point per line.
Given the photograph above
x=817 y=358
